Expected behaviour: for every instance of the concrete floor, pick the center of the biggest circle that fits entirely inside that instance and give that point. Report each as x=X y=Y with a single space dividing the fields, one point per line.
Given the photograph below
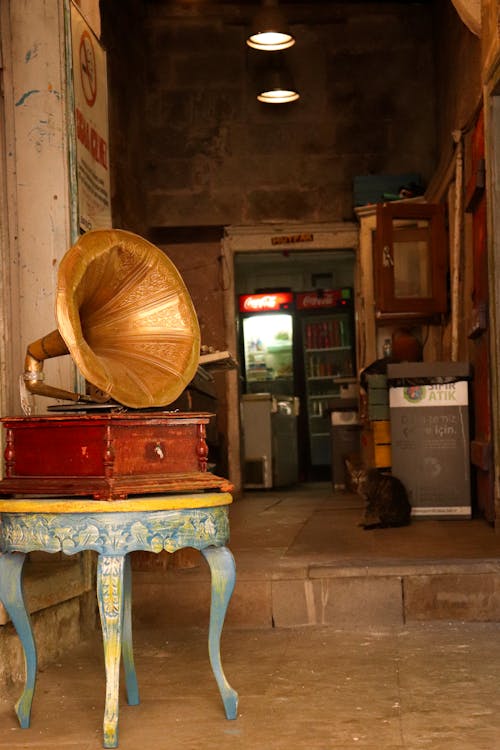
x=423 y=686
x=418 y=678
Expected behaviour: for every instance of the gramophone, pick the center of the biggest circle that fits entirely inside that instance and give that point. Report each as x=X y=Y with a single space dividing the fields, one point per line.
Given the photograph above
x=126 y=318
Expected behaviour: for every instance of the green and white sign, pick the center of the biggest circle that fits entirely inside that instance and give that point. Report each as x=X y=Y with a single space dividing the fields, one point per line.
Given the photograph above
x=430 y=447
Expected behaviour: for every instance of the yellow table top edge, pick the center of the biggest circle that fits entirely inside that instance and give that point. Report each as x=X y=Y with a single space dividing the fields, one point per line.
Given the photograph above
x=131 y=505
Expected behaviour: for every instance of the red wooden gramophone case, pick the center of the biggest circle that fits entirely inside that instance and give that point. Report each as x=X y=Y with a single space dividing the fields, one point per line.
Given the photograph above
x=108 y=456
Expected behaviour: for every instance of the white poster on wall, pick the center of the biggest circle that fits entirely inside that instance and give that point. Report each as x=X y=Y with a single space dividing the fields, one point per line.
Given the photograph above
x=91 y=125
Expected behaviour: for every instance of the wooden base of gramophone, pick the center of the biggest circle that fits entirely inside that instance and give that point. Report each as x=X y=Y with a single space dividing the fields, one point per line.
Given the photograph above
x=108 y=456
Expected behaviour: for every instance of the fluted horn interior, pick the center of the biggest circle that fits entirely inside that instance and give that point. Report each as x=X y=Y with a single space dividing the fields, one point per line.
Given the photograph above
x=127 y=318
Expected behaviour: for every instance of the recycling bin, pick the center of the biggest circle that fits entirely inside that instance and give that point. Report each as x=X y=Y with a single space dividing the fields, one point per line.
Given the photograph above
x=429 y=415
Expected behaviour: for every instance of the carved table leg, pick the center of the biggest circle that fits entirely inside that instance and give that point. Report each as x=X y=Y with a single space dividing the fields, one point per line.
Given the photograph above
x=11 y=594
x=223 y=572
x=110 y=571
x=127 y=646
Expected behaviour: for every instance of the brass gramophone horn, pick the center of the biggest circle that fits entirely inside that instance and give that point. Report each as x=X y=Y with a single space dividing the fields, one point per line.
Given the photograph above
x=126 y=317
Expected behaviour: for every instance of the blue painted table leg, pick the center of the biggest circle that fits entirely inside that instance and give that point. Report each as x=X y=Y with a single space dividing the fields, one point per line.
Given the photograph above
x=11 y=594
x=110 y=571
x=127 y=646
x=223 y=572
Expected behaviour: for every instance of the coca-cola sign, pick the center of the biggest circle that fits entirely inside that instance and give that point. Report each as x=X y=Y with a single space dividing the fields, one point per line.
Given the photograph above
x=266 y=302
x=315 y=300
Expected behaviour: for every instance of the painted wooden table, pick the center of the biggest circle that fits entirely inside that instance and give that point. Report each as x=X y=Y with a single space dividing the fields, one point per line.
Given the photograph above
x=113 y=529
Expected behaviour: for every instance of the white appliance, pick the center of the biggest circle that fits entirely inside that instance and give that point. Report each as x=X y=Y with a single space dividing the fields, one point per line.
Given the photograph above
x=270 y=440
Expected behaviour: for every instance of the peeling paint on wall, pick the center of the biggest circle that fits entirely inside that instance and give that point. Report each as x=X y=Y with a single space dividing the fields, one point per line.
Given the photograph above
x=53 y=91
x=32 y=52
x=25 y=96
x=44 y=132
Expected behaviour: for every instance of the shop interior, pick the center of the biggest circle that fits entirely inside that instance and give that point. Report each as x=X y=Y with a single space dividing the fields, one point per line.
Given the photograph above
x=298 y=369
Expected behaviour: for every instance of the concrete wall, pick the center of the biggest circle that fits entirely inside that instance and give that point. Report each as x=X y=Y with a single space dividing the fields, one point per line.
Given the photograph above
x=127 y=57
x=202 y=272
x=218 y=156
x=213 y=155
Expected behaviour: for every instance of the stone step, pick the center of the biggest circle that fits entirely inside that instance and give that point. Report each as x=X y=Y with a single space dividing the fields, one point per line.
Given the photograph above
x=337 y=595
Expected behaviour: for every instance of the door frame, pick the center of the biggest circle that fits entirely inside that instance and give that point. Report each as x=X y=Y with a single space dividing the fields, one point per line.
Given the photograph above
x=491 y=93
x=8 y=277
x=266 y=238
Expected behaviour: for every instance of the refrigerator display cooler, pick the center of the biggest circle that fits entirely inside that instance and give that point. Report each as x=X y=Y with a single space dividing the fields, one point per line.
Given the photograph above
x=301 y=345
x=328 y=354
x=267 y=342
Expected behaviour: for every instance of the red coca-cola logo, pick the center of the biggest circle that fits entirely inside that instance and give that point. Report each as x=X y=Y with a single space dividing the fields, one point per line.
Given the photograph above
x=269 y=301
x=309 y=300
x=314 y=301
x=261 y=302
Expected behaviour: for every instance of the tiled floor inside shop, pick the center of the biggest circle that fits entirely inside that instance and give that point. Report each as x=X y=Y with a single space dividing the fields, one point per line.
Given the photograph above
x=336 y=638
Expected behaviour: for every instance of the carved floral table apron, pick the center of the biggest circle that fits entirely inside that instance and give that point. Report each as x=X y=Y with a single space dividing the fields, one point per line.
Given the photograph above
x=113 y=529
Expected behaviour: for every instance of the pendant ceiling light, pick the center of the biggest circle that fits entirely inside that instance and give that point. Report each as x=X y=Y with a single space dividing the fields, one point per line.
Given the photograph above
x=270 y=31
x=278 y=96
x=278 y=87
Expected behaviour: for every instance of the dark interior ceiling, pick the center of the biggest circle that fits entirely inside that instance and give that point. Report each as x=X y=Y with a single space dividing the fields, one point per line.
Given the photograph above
x=297 y=12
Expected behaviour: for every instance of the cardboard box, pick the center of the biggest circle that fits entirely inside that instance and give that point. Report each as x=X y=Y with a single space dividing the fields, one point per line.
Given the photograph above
x=382 y=431
x=374 y=452
x=382 y=456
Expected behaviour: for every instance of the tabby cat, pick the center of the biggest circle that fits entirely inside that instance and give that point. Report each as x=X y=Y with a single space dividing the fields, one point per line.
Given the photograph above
x=386 y=498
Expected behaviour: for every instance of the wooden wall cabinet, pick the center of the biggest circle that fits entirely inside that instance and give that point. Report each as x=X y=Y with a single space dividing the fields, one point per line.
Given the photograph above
x=401 y=271
x=410 y=260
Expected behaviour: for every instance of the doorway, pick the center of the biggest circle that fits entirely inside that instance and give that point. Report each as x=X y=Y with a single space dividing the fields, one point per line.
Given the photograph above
x=305 y=258
x=310 y=363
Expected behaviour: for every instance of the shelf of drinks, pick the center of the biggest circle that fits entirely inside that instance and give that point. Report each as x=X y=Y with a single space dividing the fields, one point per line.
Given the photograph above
x=327 y=364
x=327 y=332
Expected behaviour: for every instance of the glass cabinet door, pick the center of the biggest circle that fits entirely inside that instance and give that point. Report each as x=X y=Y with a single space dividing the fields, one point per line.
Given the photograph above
x=410 y=259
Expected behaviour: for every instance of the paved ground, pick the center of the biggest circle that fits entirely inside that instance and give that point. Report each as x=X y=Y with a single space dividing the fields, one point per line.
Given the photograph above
x=313 y=525
x=420 y=686
x=424 y=686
